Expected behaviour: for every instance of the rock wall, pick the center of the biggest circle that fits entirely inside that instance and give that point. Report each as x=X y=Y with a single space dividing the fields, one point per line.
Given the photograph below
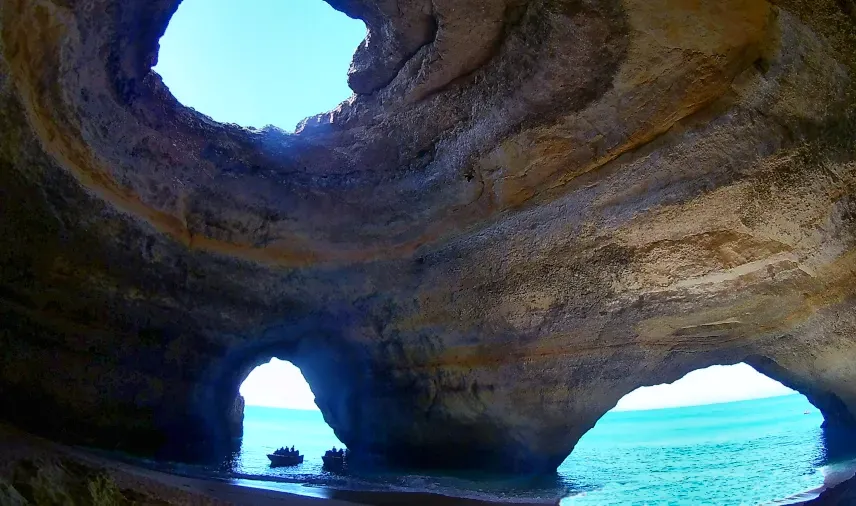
x=528 y=209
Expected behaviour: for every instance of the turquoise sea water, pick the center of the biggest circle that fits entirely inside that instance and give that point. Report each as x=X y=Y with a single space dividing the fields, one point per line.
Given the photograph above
x=748 y=452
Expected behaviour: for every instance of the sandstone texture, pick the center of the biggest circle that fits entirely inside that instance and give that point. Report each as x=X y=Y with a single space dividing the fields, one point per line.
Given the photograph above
x=528 y=209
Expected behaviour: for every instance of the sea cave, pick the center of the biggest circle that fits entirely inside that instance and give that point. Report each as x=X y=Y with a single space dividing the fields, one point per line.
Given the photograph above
x=526 y=210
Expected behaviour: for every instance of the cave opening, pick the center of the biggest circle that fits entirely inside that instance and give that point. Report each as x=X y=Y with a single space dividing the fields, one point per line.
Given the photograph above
x=716 y=434
x=259 y=63
x=280 y=411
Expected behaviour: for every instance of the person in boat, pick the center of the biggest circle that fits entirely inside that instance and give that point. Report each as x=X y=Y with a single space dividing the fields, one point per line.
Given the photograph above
x=286 y=451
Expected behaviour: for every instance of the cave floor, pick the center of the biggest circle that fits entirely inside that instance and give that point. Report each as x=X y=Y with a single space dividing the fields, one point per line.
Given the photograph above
x=33 y=468
x=30 y=463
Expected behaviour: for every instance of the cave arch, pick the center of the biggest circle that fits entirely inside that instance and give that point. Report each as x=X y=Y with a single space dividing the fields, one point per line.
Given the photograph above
x=313 y=344
x=387 y=415
x=279 y=410
x=717 y=431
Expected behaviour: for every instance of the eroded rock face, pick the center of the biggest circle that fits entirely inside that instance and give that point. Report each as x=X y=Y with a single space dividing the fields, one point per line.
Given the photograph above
x=527 y=210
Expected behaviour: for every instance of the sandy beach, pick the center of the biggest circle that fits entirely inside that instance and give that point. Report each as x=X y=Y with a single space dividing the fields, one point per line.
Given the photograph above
x=30 y=464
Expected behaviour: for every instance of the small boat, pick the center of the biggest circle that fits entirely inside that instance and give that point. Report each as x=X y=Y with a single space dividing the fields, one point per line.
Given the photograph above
x=806 y=412
x=334 y=461
x=284 y=457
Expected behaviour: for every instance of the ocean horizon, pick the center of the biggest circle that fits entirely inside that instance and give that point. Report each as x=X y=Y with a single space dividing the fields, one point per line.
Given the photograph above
x=760 y=451
x=613 y=410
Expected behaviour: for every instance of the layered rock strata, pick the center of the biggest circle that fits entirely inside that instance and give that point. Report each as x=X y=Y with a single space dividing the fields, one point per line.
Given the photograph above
x=528 y=209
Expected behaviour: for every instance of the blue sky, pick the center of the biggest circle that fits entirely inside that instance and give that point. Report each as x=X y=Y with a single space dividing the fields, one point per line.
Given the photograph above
x=260 y=62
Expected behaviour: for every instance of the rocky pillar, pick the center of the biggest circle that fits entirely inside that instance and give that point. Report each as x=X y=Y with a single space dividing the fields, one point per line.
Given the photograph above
x=236 y=417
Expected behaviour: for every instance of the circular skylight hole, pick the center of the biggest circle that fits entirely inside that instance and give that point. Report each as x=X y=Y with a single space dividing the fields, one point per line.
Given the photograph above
x=259 y=62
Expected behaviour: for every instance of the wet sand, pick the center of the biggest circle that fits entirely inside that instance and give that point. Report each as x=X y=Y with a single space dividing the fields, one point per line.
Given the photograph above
x=156 y=488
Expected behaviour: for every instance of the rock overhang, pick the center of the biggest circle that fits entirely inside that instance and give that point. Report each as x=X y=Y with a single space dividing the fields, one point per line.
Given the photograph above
x=528 y=210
